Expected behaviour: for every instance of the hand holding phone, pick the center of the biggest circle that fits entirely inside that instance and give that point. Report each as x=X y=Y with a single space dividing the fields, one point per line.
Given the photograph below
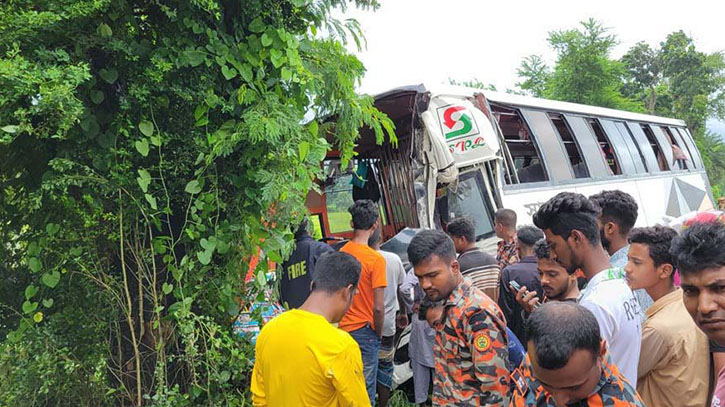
x=527 y=299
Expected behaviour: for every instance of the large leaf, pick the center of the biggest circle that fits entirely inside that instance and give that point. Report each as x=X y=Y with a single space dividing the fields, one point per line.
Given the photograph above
x=108 y=75
x=51 y=279
x=142 y=146
x=146 y=127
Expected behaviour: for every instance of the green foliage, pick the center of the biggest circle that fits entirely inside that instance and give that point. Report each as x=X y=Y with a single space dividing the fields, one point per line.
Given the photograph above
x=677 y=80
x=536 y=75
x=584 y=72
x=477 y=83
x=150 y=149
x=673 y=80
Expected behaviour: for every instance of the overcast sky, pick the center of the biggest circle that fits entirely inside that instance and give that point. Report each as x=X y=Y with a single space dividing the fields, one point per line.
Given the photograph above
x=414 y=41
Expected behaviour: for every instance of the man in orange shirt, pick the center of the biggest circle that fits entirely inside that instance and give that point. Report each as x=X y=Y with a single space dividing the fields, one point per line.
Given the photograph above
x=364 y=319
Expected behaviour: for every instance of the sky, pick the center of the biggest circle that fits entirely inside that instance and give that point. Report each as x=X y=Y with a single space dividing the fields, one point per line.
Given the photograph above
x=416 y=41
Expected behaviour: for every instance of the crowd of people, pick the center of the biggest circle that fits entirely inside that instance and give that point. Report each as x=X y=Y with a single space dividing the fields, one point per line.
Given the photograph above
x=579 y=309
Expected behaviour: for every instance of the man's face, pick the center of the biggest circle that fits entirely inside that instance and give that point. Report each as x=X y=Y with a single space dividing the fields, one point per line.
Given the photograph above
x=640 y=270
x=459 y=243
x=575 y=381
x=704 y=297
x=561 y=251
x=437 y=277
x=554 y=279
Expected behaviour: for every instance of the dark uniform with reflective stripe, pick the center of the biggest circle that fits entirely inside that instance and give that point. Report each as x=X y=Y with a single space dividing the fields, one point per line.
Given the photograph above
x=471 y=351
x=613 y=390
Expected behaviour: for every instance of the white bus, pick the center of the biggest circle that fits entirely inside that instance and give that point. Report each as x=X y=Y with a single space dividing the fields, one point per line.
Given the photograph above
x=468 y=152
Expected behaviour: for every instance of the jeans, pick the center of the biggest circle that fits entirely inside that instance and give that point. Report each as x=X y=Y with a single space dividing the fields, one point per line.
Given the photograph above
x=369 y=343
x=385 y=361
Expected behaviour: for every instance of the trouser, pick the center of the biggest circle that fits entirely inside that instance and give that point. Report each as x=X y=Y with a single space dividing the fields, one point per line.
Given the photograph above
x=369 y=343
x=421 y=381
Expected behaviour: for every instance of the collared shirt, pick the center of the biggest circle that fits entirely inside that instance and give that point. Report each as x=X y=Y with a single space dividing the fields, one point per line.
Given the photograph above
x=612 y=390
x=506 y=253
x=673 y=370
x=619 y=260
x=611 y=301
x=482 y=269
x=471 y=351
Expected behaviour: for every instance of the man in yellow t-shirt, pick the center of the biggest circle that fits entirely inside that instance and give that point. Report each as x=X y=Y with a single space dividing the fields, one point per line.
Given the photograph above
x=301 y=358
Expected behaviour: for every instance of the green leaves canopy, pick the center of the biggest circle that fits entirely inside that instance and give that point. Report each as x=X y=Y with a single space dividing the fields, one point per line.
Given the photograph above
x=141 y=129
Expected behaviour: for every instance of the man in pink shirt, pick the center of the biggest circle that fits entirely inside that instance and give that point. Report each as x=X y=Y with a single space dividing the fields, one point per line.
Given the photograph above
x=700 y=256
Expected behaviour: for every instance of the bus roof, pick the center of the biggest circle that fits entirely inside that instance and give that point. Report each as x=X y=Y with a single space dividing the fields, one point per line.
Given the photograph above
x=528 y=101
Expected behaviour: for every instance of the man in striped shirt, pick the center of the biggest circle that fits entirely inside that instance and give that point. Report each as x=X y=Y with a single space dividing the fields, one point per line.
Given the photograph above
x=481 y=268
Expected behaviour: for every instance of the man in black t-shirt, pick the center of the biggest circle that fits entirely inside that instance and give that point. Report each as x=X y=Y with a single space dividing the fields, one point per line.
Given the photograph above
x=526 y=274
x=296 y=278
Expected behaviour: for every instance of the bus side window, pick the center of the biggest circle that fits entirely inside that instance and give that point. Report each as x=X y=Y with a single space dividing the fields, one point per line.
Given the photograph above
x=522 y=146
x=573 y=150
x=678 y=151
x=338 y=196
x=696 y=159
x=606 y=147
x=661 y=158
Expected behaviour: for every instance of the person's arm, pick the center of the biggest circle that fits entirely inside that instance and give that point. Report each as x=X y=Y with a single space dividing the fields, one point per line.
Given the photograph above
x=655 y=351
x=409 y=283
x=488 y=343
x=505 y=298
x=346 y=373
x=380 y=281
x=379 y=309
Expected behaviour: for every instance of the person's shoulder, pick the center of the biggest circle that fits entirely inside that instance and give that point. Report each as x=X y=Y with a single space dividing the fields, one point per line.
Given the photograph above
x=526 y=391
x=478 y=302
x=390 y=257
x=617 y=391
x=488 y=259
x=323 y=247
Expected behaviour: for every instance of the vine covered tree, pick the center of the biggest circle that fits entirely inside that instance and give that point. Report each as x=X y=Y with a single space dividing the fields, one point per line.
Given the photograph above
x=149 y=150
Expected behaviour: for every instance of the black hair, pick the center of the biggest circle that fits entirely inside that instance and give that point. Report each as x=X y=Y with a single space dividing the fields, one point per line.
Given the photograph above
x=658 y=240
x=542 y=249
x=529 y=235
x=374 y=238
x=568 y=211
x=506 y=217
x=700 y=247
x=428 y=243
x=558 y=328
x=462 y=227
x=302 y=228
x=618 y=207
x=364 y=214
x=334 y=271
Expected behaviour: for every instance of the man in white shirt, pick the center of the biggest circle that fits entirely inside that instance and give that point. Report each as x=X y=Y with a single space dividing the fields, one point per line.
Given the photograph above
x=569 y=222
x=395 y=273
x=617 y=216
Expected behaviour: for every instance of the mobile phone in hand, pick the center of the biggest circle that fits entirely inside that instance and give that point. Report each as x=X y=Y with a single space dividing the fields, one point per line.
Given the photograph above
x=516 y=287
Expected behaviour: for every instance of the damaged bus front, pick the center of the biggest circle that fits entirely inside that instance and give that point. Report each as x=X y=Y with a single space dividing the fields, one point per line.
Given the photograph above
x=446 y=164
